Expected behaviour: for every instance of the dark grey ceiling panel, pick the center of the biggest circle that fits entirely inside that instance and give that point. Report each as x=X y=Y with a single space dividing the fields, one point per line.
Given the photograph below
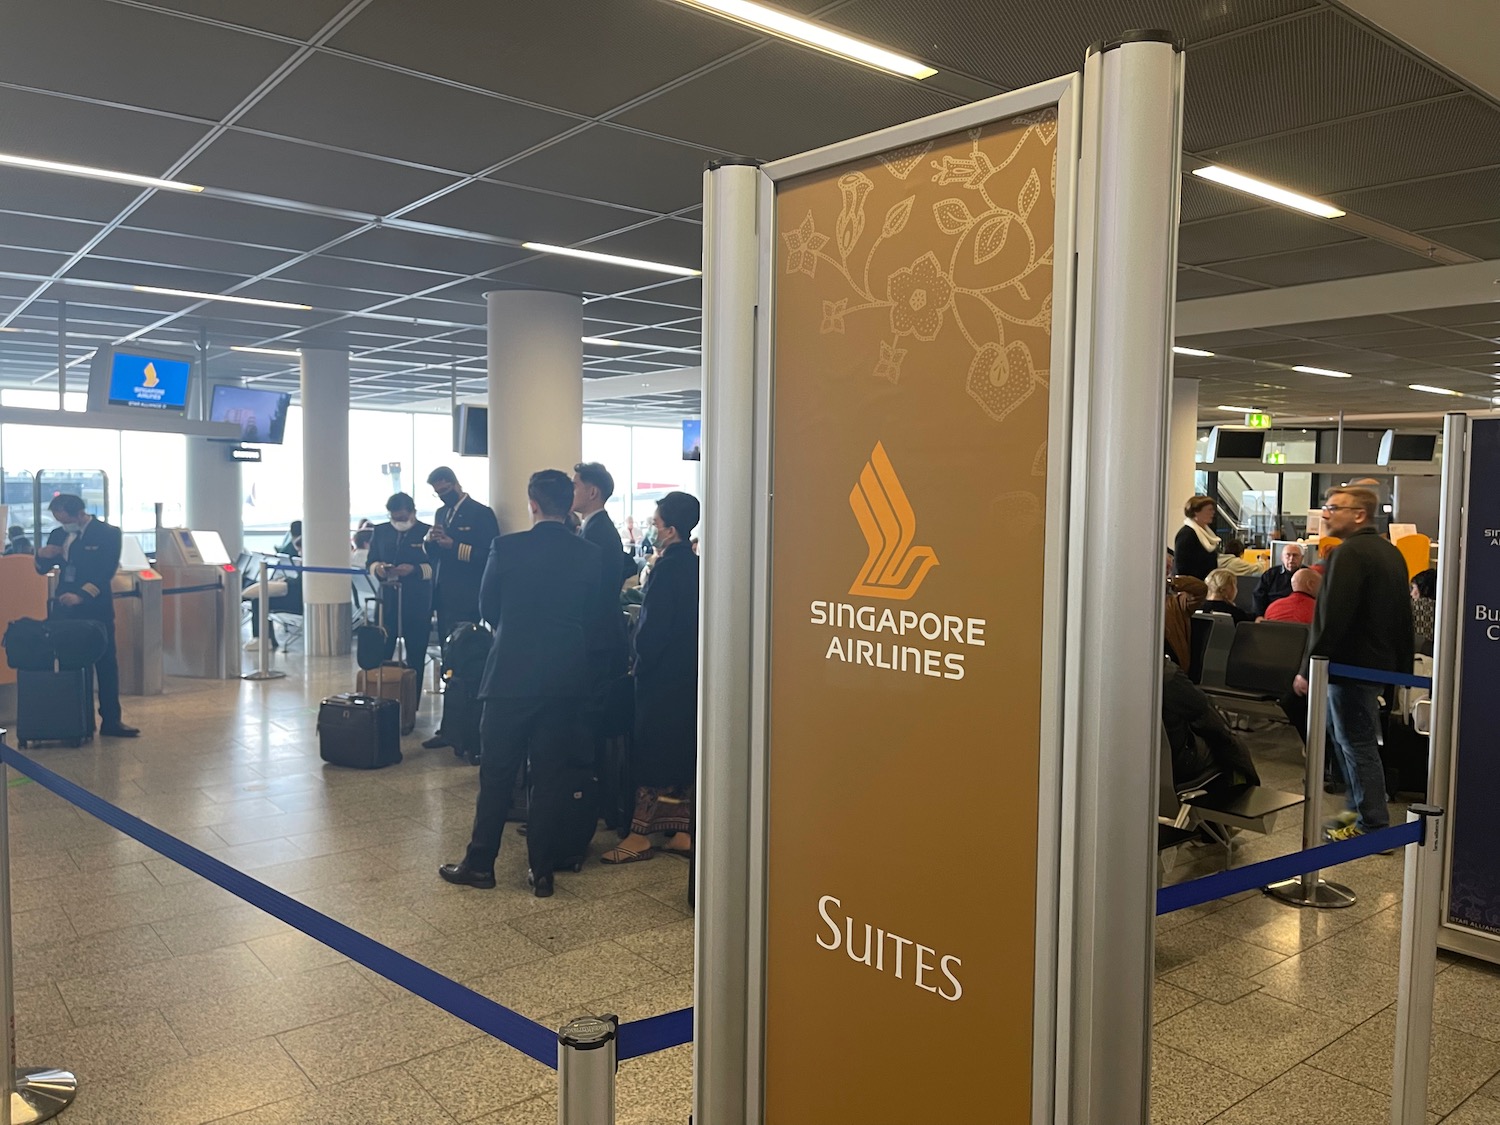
x=583 y=55
x=405 y=248
x=1378 y=340
x=242 y=222
x=296 y=18
x=1325 y=263
x=63 y=197
x=142 y=273
x=36 y=233
x=56 y=128
x=356 y=105
x=622 y=311
x=1464 y=197
x=1195 y=283
x=758 y=104
x=1204 y=200
x=244 y=162
x=1344 y=326
x=1459 y=315
x=369 y=276
x=39 y=262
x=618 y=165
x=1480 y=239
x=195 y=253
x=1297 y=73
x=428 y=309
x=518 y=213
x=1264 y=231
x=668 y=240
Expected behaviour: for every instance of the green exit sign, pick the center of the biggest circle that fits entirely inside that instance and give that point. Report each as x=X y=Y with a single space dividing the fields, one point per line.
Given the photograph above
x=1258 y=421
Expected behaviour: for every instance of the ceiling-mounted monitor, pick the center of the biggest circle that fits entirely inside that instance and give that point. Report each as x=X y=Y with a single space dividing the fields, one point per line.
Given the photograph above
x=1395 y=446
x=471 y=430
x=141 y=377
x=1235 y=443
x=260 y=414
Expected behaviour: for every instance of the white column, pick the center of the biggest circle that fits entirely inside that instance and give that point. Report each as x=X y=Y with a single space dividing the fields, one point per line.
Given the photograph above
x=1182 y=446
x=215 y=497
x=536 y=393
x=326 y=598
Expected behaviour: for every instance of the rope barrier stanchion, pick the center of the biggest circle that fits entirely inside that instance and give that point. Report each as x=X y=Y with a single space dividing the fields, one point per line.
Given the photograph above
x=263 y=669
x=1310 y=888
x=586 y=1066
x=31 y=1093
x=1420 y=909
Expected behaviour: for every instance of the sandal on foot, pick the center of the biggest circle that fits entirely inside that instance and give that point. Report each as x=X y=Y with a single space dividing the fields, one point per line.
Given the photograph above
x=625 y=855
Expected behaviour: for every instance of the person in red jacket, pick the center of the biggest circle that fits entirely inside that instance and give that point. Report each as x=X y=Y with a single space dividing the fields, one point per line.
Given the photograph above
x=1302 y=602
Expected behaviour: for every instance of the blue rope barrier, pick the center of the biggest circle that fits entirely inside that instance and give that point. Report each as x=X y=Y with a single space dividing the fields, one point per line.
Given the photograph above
x=1379 y=676
x=191 y=589
x=298 y=569
x=1180 y=896
x=655 y=1033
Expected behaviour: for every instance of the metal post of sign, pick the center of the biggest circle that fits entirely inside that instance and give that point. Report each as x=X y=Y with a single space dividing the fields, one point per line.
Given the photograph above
x=32 y=1093
x=1311 y=889
x=586 y=1064
x=263 y=669
x=1419 y=927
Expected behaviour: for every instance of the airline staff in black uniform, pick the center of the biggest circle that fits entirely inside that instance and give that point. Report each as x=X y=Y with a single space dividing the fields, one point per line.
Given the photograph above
x=398 y=561
x=88 y=550
x=458 y=547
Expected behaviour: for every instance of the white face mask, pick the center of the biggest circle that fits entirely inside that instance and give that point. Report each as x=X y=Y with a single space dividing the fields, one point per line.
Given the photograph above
x=403 y=525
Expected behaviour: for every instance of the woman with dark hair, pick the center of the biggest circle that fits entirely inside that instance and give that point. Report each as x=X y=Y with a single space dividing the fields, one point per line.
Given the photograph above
x=1424 y=609
x=1196 y=545
x=664 y=757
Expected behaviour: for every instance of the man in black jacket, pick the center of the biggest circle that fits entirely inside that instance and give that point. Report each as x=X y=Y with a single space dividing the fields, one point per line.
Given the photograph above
x=540 y=592
x=398 y=561
x=608 y=646
x=88 y=550
x=1364 y=619
x=457 y=545
x=1276 y=583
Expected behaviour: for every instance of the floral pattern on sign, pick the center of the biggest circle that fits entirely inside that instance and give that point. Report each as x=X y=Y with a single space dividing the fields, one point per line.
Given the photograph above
x=964 y=248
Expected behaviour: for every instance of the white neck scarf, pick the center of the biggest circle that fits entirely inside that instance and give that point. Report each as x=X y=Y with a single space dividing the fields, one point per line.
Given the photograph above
x=1209 y=540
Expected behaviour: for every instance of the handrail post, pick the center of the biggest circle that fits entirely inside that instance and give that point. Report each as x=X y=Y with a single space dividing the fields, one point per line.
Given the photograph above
x=1420 y=907
x=263 y=669
x=1311 y=889
x=586 y=1064
x=31 y=1093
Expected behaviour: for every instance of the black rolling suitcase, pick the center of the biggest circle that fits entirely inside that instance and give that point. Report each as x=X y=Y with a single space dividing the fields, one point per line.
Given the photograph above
x=361 y=732
x=462 y=709
x=54 y=706
x=564 y=815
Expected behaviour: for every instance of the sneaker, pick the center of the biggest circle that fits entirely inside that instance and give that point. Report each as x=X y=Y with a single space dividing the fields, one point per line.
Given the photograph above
x=1343 y=820
x=1351 y=832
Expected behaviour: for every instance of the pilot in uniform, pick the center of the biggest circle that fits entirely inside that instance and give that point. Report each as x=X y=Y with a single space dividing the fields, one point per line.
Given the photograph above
x=398 y=561
x=458 y=546
x=88 y=551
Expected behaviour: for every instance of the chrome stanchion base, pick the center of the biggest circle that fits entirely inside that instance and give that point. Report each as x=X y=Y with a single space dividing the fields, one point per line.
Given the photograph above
x=1322 y=895
x=267 y=675
x=40 y=1094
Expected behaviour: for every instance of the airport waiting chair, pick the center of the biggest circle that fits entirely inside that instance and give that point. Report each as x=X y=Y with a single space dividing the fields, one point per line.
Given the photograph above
x=1265 y=657
x=1214 y=632
x=1244 y=595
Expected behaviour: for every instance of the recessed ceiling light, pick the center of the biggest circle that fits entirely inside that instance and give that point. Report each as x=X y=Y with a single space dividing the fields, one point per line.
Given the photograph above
x=611 y=259
x=1251 y=186
x=1238 y=409
x=1191 y=351
x=94 y=173
x=816 y=35
x=606 y=342
x=264 y=351
x=1323 y=371
x=1432 y=390
x=219 y=297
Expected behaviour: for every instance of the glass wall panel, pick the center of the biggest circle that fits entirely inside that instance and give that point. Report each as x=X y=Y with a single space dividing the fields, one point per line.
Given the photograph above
x=273 y=488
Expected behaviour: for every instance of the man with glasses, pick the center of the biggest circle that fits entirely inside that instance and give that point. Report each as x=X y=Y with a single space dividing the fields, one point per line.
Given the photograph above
x=1363 y=618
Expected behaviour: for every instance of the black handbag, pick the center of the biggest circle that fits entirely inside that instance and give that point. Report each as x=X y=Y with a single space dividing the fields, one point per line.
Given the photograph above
x=28 y=645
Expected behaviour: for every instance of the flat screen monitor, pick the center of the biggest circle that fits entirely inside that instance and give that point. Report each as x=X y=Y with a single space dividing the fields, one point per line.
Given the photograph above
x=140 y=378
x=260 y=414
x=692 y=439
x=1396 y=446
x=1229 y=443
x=471 y=430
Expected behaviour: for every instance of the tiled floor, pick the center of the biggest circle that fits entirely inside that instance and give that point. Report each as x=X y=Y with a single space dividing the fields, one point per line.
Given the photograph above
x=177 y=1004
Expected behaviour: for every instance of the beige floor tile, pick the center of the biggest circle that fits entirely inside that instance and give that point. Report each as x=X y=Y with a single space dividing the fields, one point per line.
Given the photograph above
x=106 y=996
x=38 y=894
x=144 y=907
x=1467 y=997
x=244 y=857
x=1257 y=1036
x=568 y=979
x=1459 y=1063
x=1189 y=1091
x=597 y=920
x=1305 y=1096
x=480 y=1076
x=1326 y=980
x=1478 y=1110
x=49 y=865
x=387 y=1097
x=208 y=1023
x=286 y=954
x=355 y=837
x=134 y=1045
x=1377 y=938
x=120 y=949
x=373 y=1039
x=537 y=1111
x=300 y=875
x=40 y=1011
x=652 y=999
x=1264 y=921
x=1167 y=1000
x=476 y=953
x=669 y=947
x=48 y=925
x=655 y=1088
x=1202 y=979
x=197 y=933
x=196 y=1090
x=1202 y=941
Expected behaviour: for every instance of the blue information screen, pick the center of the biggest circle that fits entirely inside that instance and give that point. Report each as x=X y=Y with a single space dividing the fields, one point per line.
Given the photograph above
x=692 y=439
x=150 y=381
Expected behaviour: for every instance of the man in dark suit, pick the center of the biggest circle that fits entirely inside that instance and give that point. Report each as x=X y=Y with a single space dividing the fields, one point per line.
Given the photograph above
x=540 y=592
x=1276 y=583
x=398 y=560
x=88 y=550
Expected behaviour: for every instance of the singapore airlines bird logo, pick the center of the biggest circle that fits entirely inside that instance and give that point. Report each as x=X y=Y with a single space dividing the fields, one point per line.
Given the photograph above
x=894 y=569
x=151 y=379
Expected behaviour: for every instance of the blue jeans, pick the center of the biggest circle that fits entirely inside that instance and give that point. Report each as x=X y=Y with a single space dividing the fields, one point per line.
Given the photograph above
x=1354 y=712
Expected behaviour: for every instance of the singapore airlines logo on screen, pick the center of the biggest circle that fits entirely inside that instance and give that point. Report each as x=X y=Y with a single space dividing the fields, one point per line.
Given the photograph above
x=149 y=377
x=894 y=569
x=881 y=636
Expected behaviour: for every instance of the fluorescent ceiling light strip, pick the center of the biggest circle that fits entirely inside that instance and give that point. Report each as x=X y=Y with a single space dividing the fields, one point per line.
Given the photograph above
x=1432 y=390
x=611 y=259
x=1191 y=351
x=605 y=341
x=815 y=35
x=264 y=351
x=1323 y=371
x=1238 y=409
x=1251 y=186
x=219 y=297
x=16 y=161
